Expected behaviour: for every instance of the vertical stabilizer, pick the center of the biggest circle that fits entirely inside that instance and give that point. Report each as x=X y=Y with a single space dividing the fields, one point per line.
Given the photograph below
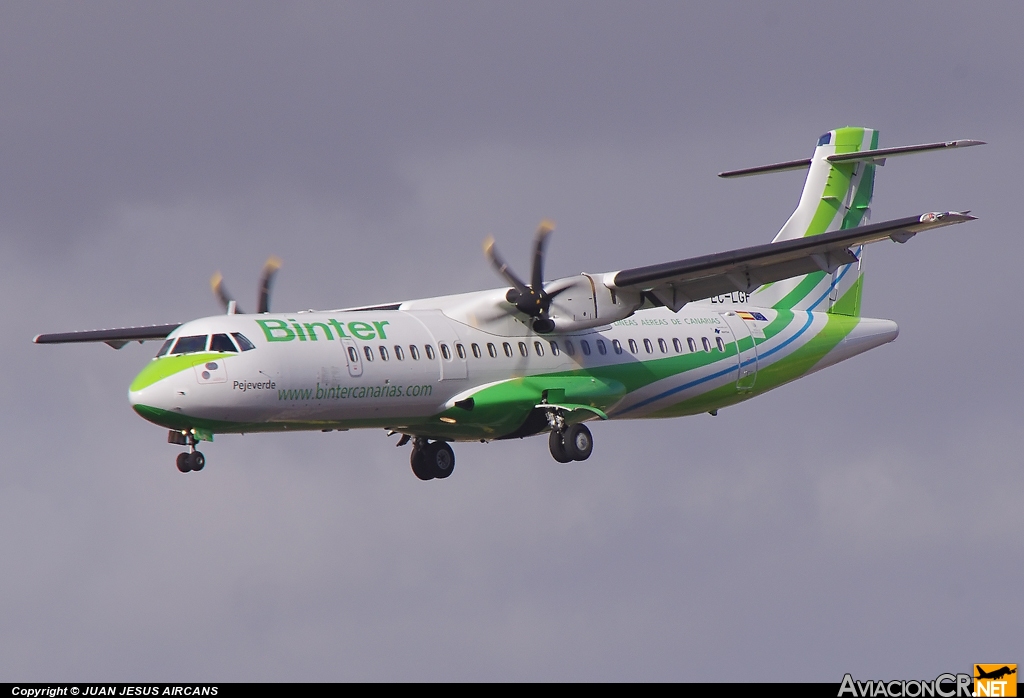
x=836 y=196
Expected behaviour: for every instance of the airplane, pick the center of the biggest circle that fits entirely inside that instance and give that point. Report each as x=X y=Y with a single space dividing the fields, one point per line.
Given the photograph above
x=995 y=674
x=542 y=357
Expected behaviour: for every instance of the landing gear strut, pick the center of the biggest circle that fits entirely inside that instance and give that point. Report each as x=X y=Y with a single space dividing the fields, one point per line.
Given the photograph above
x=193 y=460
x=568 y=443
x=431 y=460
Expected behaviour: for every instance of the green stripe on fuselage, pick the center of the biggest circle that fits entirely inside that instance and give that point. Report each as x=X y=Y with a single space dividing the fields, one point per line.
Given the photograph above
x=772 y=375
x=164 y=366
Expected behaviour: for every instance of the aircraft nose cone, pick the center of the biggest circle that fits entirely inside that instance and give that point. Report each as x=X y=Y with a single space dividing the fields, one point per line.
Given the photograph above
x=155 y=399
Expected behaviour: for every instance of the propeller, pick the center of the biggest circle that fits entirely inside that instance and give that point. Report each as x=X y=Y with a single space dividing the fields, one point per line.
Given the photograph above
x=533 y=300
x=266 y=283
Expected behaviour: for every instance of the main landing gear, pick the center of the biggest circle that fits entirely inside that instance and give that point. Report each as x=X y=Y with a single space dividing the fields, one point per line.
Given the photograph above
x=569 y=443
x=431 y=460
x=193 y=460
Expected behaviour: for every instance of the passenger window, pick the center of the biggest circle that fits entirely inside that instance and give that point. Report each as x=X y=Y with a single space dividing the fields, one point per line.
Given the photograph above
x=539 y=348
x=430 y=351
x=383 y=353
x=601 y=349
x=399 y=354
x=508 y=349
x=460 y=350
x=221 y=342
x=691 y=344
x=523 y=349
x=476 y=350
x=414 y=352
x=446 y=352
x=554 y=348
x=585 y=346
x=369 y=353
x=706 y=343
x=648 y=346
x=617 y=346
x=677 y=345
x=492 y=350
x=353 y=355
x=720 y=343
x=632 y=346
x=663 y=346
x=189 y=345
x=165 y=348
x=243 y=343
x=569 y=348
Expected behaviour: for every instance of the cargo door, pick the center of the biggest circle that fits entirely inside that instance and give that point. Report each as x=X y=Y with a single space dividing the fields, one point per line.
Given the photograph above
x=449 y=350
x=746 y=351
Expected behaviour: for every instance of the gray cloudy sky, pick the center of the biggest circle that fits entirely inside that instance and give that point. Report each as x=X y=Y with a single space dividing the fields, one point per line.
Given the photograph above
x=859 y=520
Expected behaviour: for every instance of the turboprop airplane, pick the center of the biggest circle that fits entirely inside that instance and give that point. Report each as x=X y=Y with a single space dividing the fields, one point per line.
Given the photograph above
x=672 y=339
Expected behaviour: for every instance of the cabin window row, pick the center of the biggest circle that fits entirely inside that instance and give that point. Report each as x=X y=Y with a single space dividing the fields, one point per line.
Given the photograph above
x=523 y=349
x=413 y=352
x=634 y=348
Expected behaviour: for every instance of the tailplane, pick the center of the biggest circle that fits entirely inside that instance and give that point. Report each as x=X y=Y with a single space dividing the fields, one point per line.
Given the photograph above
x=836 y=196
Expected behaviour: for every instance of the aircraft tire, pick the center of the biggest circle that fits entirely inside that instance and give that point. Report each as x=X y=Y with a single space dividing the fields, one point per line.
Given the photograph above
x=184 y=462
x=440 y=459
x=556 y=444
x=198 y=461
x=579 y=444
x=418 y=462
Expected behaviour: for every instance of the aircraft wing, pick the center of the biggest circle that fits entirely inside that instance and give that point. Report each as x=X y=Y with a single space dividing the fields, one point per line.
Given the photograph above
x=116 y=338
x=674 y=284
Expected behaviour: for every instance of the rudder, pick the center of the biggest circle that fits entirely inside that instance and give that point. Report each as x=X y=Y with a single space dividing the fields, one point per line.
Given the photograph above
x=836 y=196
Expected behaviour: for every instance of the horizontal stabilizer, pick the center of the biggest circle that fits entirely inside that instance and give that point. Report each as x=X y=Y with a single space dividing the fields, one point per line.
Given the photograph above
x=877 y=157
x=116 y=338
x=765 y=169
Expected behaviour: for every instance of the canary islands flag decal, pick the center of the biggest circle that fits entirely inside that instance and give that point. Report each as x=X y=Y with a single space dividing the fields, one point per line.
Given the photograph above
x=751 y=316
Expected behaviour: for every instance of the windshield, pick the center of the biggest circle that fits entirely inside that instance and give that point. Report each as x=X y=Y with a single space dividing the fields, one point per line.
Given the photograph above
x=189 y=345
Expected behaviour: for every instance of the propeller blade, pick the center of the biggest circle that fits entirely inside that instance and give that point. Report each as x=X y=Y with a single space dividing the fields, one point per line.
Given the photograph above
x=491 y=252
x=540 y=239
x=221 y=292
x=266 y=282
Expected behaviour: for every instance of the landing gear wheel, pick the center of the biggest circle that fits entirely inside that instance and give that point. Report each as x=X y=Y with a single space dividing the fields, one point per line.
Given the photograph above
x=184 y=462
x=579 y=444
x=440 y=459
x=556 y=445
x=418 y=461
x=198 y=461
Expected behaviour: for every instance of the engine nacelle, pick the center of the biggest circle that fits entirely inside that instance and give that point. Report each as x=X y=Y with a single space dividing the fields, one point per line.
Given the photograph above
x=588 y=301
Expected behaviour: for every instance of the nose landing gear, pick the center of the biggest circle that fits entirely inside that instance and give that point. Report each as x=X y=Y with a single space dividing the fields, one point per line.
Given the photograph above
x=193 y=460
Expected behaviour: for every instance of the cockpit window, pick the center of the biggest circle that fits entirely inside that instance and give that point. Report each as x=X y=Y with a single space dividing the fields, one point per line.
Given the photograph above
x=221 y=342
x=825 y=139
x=189 y=345
x=165 y=348
x=243 y=343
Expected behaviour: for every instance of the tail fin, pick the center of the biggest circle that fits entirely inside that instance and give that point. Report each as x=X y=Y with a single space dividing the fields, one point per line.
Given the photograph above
x=836 y=196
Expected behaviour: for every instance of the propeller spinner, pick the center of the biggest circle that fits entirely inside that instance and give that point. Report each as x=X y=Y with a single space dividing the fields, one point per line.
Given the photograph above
x=533 y=300
x=266 y=283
